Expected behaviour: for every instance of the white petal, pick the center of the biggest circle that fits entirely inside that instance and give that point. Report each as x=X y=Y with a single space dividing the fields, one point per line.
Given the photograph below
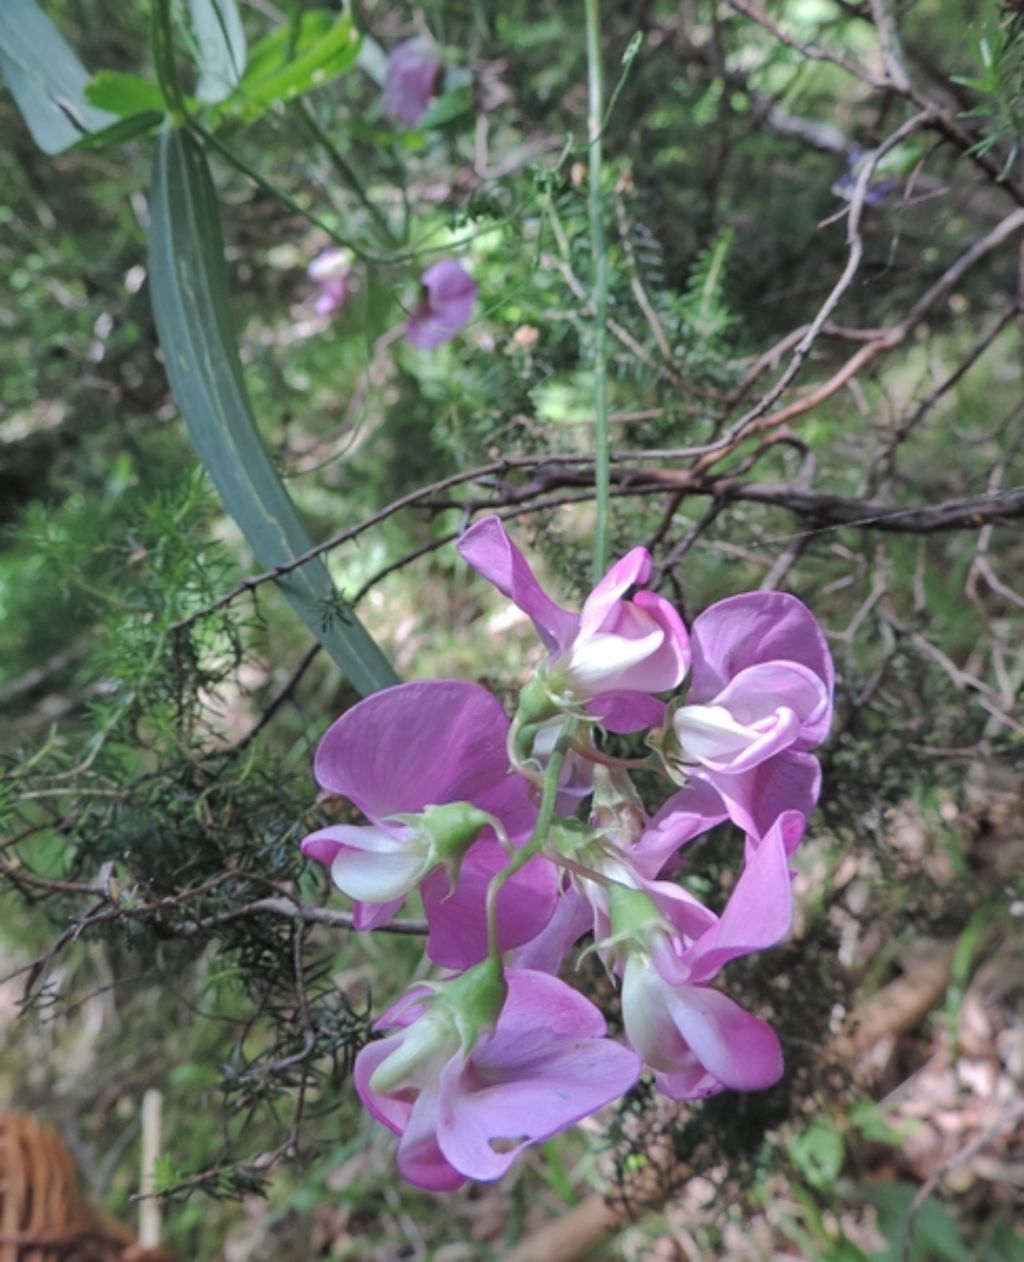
x=595 y=663
x=710 y=732
x=375 y=867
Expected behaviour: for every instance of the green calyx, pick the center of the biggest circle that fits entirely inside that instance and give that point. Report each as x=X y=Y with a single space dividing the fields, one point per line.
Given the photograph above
x=635 y=923
x=455 y=1015
x=633 y=914
x=569 y=837
x=616 y=809
x=451 y=829
x=538 y=701
x=665 y=744
x=475 y=1000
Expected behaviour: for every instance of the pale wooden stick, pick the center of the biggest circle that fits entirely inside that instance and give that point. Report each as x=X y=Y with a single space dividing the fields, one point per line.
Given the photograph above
x=149 y=1206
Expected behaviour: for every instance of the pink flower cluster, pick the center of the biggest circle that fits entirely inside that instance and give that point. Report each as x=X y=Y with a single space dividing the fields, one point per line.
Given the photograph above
x=524 y=835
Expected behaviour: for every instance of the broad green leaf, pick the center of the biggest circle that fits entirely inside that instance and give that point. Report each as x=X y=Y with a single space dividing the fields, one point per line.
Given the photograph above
x=189 y=285
x=287 y=63
x=46 y=78
x=933 y=1232
x=123 y=94
x=220 y=48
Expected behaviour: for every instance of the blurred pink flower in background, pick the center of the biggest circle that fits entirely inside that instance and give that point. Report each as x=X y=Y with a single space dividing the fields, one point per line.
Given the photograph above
x=331 y=271
x=449 y=293
x=413 y=72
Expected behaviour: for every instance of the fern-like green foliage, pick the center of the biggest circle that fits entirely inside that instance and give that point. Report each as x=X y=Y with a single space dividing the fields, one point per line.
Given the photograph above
x=1000 y=86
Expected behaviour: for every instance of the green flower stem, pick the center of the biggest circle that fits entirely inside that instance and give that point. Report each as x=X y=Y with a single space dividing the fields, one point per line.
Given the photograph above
x=164 y=62
x=240 y=164
x=602 y=468
x=341 y=166
x=539 y=836
x=367 y=256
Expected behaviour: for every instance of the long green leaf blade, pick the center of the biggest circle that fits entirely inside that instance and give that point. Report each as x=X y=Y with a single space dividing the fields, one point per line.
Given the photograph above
x=189 y=284
x=46 y=78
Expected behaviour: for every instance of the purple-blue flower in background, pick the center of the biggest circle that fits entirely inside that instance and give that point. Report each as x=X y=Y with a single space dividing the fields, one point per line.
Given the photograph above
x=412 y=76
x=449 y=293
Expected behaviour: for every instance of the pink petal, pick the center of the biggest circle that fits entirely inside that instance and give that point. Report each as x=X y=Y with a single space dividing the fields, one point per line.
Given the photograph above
x=626 y=711
x=545 y=1067
x=753 y=628
x=686 y=913
x=332 y=297
x=422 y=744
x=540 y=1011
x=450 y=287
x=321 y=846
x=759 y=690
x=673 y=659
x=408 y=1112
x=639 y=644
x=325 y=846
x=489 y=550
x=412 y=74
x=692 y=1083
x=692 y=811
x=758 y=915
x=445 y=307
x=407 y=1008
x=457 y=920
x=755 y=799
x=420 y=1159
x=711 y=736
x=605 y=600
x=571 y=920
x=648 y=1021
x=740 y=1050
x=328 y=263
x=374 y=866
x=391 y=1111
x=601 y=661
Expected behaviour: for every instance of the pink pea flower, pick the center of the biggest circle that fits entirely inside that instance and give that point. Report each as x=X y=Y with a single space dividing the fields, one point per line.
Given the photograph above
x=412 y=75
x=449 y=293
x=761 y=685
x=612 y=654
x=332 y=272
x=467 y=1112
x=696 y=1039
x=417 y=746
x=788 y=783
